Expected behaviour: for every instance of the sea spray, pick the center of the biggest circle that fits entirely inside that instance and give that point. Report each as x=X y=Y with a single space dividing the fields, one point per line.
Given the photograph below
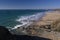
x=27 y=20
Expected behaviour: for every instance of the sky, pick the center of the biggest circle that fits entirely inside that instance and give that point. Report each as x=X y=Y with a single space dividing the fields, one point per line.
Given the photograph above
x=29 y=4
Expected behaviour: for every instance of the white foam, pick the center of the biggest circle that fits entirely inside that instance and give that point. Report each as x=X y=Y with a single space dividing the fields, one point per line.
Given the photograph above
x=27 y=20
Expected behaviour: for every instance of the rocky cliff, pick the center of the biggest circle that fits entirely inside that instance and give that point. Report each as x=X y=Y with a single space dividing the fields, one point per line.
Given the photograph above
x=6 y=35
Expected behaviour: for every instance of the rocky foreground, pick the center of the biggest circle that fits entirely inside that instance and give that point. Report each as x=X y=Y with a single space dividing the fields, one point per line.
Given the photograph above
x=47 y=27
x=6 y=35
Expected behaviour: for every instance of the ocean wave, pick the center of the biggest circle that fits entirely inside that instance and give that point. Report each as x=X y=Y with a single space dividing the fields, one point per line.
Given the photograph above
x=27 y=20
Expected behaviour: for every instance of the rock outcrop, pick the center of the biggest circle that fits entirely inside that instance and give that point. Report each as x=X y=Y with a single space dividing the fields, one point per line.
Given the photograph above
x=6 y=35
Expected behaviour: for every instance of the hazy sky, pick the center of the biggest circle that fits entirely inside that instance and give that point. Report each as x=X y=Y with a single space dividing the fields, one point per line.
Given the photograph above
x=29 y=4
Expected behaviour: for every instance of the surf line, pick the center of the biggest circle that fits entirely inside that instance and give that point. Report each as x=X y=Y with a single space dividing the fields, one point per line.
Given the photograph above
x=28 y=20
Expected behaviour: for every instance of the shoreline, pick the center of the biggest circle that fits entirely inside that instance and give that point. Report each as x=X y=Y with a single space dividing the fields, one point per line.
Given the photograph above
x=30 y=21
x=45 y=27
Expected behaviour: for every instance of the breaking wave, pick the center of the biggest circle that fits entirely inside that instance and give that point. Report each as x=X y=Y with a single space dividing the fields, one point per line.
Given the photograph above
x=28 y=20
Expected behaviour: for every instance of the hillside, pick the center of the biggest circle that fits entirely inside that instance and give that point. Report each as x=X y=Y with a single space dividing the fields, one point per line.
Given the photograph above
x=47 y=27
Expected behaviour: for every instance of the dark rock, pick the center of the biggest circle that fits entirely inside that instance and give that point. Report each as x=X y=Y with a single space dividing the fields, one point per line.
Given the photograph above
x=6 y=35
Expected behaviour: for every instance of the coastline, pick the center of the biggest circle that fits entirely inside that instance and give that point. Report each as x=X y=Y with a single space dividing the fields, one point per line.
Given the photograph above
x=28 y=20
x=47 y=26
x=50 y=25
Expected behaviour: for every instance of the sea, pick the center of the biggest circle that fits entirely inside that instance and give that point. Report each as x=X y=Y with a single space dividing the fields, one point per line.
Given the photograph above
x=17 y=18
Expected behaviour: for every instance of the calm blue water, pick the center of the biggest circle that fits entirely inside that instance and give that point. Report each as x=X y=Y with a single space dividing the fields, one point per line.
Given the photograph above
x=8 y=17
